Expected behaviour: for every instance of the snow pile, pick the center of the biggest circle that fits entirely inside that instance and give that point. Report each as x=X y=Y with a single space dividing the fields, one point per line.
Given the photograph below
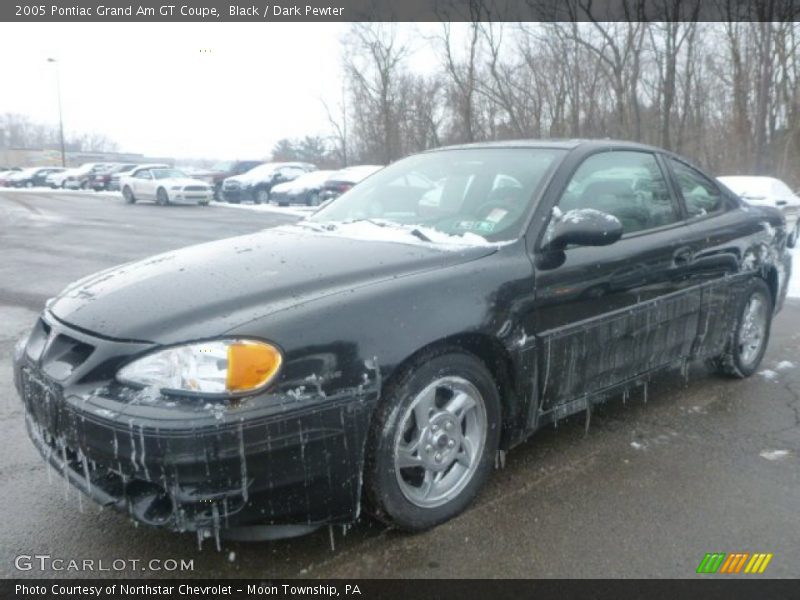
x=375 y=230
x=784 y=365
x=774 y=454
x=768 y=374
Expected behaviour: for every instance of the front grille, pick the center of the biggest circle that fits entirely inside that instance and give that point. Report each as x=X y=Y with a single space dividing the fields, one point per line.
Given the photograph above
x=195 y=188
x=58 y=353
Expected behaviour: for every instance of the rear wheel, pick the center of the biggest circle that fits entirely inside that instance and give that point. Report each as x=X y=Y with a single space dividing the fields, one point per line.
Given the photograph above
x=262 y=196
x=127 y=193
x=749 y=341
x=433 y=441
x=161 y=197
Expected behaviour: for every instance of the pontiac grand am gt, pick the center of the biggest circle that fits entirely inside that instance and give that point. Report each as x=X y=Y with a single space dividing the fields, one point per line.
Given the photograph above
x=387 y=348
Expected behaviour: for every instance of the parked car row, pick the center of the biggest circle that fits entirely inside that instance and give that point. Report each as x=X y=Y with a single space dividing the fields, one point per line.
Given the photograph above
x=232 y=181
x=30 y=177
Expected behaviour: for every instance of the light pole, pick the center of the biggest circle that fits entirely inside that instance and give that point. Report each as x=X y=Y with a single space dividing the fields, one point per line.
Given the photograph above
x=60 y=114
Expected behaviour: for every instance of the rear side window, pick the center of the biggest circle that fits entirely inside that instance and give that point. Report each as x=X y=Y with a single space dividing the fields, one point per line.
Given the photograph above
x=629 y=185
x=700 y=194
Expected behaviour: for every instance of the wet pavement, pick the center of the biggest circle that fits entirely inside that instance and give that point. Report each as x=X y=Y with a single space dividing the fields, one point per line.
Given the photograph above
x=712 y=466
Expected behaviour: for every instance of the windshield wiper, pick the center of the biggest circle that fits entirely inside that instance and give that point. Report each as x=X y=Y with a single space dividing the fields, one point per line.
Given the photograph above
x=417 y=233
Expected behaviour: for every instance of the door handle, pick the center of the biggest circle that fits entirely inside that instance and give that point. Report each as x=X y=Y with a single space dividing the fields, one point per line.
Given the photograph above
x=682 y=257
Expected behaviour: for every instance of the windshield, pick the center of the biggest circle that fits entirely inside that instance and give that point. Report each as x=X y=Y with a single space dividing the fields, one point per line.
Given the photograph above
x=167 y=173
x=483 y=191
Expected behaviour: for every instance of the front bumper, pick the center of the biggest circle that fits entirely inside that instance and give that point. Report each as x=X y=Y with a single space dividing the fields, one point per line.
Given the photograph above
x=184 y=197
x=188 y=464
x=236 y=195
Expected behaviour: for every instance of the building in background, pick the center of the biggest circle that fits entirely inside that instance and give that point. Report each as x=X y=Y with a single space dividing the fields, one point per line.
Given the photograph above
x=43 y=157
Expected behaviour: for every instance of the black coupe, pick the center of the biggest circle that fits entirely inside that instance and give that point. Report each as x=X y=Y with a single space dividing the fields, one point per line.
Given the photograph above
x=389 y=346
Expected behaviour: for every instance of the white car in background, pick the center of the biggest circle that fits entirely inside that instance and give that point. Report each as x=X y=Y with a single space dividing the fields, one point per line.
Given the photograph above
x=164 y=185
x=57 y=179
x=768 y=191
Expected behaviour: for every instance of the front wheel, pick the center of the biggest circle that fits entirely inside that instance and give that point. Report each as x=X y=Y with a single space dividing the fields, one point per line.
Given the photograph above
x=433 y=441
x=161 y=197
x=127 y=193
x=750 y=337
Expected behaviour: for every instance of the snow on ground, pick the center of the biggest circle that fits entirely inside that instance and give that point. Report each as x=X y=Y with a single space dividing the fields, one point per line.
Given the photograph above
x=774 y=454
x=768 y=374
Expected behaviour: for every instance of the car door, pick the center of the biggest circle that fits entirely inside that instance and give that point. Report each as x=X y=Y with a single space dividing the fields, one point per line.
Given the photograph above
x=610 y=314
x=143 y=186
x=725 y=245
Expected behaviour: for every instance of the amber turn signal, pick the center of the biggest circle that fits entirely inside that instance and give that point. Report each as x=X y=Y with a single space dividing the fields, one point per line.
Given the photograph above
x=251 y=365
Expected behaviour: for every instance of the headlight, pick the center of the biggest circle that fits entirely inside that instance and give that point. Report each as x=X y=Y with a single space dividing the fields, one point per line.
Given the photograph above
x=219 y=367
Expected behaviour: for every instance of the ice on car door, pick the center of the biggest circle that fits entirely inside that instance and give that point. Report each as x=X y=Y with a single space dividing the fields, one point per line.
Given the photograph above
x=610 y=313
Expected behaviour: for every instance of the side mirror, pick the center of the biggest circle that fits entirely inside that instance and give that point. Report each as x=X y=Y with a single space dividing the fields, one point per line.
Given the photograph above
x=582 y=227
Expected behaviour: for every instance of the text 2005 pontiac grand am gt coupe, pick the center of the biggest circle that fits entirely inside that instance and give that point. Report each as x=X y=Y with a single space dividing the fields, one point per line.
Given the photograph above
x=388 y=346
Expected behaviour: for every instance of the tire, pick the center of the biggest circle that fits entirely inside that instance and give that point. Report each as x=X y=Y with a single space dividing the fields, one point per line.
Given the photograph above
x=127 y=193
x=261 y=196
x=411 y=497
x=162 y=199
x=750 y=336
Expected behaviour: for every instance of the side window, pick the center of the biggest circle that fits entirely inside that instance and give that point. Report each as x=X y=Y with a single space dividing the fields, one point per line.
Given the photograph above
x=145 y=174
x=629 y=185
x=700 y=194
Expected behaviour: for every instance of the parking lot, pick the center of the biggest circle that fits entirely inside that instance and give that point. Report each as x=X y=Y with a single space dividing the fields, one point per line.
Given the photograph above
x=712 y=466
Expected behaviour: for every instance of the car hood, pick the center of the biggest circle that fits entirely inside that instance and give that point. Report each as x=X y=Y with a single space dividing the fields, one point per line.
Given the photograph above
x=205 y=290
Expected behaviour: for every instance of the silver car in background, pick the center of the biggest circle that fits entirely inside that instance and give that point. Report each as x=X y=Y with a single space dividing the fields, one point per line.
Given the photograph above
x=768 y=191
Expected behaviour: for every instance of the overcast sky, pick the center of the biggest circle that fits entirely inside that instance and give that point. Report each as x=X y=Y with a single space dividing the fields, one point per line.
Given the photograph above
x=149 y=87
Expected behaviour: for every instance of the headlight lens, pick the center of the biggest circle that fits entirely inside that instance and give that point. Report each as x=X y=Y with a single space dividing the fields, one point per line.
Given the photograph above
x=219 y=367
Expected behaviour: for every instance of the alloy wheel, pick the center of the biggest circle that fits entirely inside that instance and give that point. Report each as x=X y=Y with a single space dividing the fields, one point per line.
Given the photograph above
x=440 y=442
x=753 y=329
